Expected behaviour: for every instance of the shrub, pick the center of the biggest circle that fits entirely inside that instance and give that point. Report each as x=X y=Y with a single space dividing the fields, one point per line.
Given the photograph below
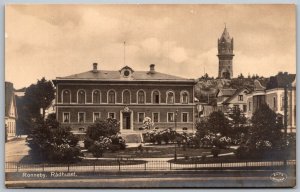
x=99 y=146
x=114 y=147
x=88 y=142
x=105 y=128
x=215 y=152
x=96 y=150
x=242 y=152
x=118 y=140
x=49 y=141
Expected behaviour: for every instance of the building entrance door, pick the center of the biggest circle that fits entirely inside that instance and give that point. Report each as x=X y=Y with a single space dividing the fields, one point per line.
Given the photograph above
x=126 y=120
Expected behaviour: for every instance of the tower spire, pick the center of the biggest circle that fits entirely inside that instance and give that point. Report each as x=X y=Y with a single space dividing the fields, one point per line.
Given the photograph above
x=225 y=55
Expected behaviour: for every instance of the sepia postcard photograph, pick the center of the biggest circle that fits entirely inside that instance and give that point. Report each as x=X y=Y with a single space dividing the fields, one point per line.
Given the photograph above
x=150 y=96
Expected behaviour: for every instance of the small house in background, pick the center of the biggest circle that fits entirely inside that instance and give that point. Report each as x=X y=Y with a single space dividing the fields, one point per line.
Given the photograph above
x=222 y=96
x=10 y=110
x=238 y=101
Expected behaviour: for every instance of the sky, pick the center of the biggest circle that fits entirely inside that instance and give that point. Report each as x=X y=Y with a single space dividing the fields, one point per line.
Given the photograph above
x=59 y=40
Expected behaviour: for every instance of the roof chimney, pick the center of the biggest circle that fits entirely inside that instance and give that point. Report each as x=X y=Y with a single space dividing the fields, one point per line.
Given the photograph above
x=152 y=68
x=95 y=70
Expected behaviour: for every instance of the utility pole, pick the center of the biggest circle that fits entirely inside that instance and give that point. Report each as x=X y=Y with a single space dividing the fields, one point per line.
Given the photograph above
x=285 y=119
x=175 y=150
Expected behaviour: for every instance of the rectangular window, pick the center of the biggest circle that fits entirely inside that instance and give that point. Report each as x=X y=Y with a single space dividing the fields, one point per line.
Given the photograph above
x=96 y=116
x=282 y=103
x=244 y=108
x=240 y=97
x=185 y=117
x=66 y=117
x=155 y=117
x=236 y=107
x=81 y=117
x=170 y=117
x=111 y=115
x=141 y=117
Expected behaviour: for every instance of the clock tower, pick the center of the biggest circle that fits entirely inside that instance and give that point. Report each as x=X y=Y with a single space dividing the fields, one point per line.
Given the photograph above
x=225 y=55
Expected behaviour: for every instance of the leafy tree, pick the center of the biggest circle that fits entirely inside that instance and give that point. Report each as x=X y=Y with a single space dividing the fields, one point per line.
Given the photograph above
x=102 y=136
x=206 y=77
x=241 y=76
x=218 y=123
x=238 y=118
x=239 y=123
x=24 y=120
x=49 y=141
x=39 y=96
x=265 y=127
x=202 y=128
x=105 y=128
x=147 y=123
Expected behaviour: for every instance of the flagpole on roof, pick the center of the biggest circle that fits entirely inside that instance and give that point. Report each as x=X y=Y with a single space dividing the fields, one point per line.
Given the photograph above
x=124 y=51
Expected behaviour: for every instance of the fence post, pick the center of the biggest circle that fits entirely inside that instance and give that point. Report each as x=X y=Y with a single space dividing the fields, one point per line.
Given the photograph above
x=246 y=163
x=94 y=166
x=170 y=165
x=145 y=166
x=119 y=165
x=221 y=164
x=68 y=167
x=43 y=167
x=195 y=165
x=17 y=167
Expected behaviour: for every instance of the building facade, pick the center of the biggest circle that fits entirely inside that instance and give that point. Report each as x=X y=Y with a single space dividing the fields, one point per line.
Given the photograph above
x=275 y=97
x=10 y=110
x=126 y=95
x=225 y=55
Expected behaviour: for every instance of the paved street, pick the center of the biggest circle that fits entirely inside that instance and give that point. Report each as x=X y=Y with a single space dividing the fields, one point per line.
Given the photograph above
x=16 y=149
x=161 y=179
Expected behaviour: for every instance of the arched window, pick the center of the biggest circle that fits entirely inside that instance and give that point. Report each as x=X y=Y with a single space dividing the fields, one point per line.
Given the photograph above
x=96 y=96
x=170 y=97
x=66 y=96
x=184 y=98
x=81 y=96
x=126 y=97
x=155 y=98
x=141 y=97
x=111 y=96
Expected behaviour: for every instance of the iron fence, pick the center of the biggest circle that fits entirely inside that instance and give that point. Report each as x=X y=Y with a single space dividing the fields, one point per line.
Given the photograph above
x=131 y=165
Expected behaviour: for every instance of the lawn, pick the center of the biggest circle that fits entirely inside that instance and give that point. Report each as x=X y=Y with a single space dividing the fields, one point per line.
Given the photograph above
x=271 y=156
x=157 y=151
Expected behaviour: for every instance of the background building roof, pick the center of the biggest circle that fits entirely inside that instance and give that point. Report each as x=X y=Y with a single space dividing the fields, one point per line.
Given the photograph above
x=280 y=80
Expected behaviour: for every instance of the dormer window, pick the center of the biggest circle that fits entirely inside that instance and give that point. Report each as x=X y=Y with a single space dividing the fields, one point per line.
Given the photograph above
x=126 y=72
